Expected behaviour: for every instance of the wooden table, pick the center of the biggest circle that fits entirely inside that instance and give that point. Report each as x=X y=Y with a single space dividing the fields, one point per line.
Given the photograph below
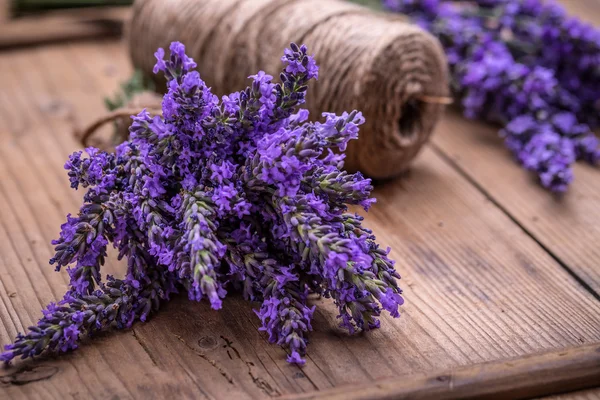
x=495 y=270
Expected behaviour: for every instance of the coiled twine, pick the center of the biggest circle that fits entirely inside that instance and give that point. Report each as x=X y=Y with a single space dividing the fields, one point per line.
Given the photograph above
x=392 y=71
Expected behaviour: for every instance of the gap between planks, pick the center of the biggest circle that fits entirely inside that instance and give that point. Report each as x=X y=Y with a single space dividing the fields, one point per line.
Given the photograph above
x=567 y=226
x=463 y=172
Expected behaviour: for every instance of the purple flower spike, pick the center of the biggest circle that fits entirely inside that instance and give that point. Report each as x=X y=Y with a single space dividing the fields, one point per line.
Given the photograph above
x=218 y=196
x=526 y=65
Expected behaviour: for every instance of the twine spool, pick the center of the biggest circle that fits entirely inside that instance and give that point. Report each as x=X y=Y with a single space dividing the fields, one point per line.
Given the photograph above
x=392 y=71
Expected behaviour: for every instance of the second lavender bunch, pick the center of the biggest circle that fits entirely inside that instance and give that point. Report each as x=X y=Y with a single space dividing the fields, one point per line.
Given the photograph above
x=525 y=65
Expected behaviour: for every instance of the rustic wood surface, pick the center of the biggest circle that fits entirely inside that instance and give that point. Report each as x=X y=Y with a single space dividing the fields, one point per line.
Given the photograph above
x=54 y=26
x=548 y=220
x=521 y=378
x=4 y=10
x=493 y=267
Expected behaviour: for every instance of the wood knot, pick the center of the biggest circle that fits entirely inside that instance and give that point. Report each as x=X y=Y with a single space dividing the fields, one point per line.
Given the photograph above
x=299 y=375
x=207 y=342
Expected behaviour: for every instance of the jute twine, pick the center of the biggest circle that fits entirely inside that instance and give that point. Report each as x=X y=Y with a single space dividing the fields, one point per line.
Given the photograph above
x=392 y=71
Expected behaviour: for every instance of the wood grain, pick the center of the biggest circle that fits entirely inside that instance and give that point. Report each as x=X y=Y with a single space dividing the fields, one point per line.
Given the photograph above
x=589 y=394
x=61 y=25
x=4 y=10
x=568 y=227
x=520 y=378
x=478 y=288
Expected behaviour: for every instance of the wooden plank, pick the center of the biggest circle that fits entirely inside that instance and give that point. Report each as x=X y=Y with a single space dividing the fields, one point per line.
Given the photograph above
x=588 y=11
x=5 y=7
x=62 y=25
x=567 y=226
x=521 y=378
x=589 y=394
x=477 y=287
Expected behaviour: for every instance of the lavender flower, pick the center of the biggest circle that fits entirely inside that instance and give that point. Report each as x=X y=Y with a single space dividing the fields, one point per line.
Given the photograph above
x=117 y=304
x=216 y=196
x=522 y=62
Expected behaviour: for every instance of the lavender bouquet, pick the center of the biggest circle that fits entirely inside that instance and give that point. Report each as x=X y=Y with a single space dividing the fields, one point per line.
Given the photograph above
x=216 y=196
x=528 y=66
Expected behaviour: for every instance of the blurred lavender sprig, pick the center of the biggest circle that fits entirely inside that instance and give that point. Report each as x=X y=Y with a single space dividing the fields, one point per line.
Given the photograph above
x=526 y=65
x=241 y=193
